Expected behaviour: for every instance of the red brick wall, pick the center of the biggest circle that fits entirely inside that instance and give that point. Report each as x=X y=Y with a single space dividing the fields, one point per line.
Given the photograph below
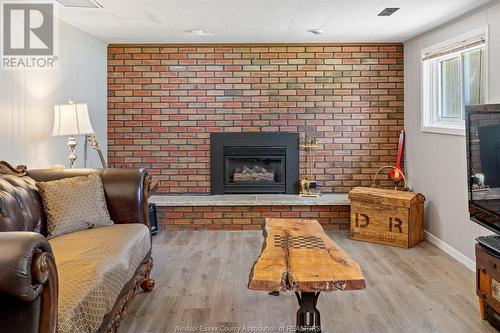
x=241 y=217
x=164 y=100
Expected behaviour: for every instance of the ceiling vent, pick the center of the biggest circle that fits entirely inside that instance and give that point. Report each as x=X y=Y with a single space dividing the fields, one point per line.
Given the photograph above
x=80 y=3
x=316 y=31
x=388 y=11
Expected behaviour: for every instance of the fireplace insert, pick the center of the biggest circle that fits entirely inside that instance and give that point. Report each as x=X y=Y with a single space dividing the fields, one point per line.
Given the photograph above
x=254 y=162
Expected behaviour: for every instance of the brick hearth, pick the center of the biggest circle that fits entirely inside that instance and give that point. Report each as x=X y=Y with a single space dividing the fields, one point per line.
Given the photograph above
x=247 y=217
x=236 y=212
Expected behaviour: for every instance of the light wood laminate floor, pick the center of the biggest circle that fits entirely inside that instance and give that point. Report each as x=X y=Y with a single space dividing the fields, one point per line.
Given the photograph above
x=201 y=279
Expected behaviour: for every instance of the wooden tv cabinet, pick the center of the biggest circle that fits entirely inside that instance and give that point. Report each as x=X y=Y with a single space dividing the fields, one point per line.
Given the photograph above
x=488 y=285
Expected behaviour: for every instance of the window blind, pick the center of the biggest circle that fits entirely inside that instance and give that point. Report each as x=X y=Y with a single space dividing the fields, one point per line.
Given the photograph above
x=454 y=48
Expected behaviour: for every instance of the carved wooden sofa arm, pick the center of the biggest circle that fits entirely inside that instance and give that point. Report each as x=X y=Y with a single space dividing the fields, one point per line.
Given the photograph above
x=28 y=283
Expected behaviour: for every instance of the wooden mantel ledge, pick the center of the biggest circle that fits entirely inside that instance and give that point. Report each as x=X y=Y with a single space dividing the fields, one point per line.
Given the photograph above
x=339 y=199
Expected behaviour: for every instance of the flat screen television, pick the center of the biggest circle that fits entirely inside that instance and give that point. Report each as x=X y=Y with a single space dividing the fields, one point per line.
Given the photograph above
x=483 y=159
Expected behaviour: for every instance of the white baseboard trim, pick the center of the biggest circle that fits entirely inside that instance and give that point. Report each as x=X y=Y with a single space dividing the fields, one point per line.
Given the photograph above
x=470 y=264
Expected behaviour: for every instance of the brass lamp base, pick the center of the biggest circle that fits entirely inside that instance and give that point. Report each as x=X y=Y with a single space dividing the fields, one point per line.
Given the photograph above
x=72 y=151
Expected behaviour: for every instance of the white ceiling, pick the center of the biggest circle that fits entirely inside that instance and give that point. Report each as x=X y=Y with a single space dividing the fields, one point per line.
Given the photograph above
x=248 y=21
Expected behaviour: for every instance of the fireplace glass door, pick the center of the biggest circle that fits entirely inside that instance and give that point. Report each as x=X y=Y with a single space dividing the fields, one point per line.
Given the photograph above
x=254 y=170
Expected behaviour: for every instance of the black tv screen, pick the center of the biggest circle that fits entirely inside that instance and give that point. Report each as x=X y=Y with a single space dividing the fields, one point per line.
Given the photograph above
x=483 y=159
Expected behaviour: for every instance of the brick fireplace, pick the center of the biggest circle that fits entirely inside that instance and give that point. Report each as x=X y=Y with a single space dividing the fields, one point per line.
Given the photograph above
x=164 y=101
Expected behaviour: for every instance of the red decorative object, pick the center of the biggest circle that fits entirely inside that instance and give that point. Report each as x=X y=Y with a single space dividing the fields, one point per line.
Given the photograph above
x=397 y=173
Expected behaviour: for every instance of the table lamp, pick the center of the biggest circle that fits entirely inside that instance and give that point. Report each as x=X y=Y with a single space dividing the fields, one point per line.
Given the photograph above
x=73 y=119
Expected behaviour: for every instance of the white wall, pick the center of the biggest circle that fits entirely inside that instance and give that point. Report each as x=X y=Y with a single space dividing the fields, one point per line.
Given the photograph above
x=436 y=163
x=27 y=101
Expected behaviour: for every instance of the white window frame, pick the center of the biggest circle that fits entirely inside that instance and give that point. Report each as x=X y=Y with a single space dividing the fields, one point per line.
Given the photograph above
x=432 y=121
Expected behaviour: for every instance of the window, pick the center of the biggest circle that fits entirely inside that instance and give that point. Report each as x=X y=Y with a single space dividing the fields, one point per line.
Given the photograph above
x=453 y=76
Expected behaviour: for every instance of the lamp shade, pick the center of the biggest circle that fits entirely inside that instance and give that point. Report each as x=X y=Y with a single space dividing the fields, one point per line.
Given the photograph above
x=71 y=119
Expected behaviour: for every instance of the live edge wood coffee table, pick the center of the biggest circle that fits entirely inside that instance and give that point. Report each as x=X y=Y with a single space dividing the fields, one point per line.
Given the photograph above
x=298 y=256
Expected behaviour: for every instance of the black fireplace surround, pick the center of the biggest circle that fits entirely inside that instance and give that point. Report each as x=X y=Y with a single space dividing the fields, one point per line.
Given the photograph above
x=254 y=162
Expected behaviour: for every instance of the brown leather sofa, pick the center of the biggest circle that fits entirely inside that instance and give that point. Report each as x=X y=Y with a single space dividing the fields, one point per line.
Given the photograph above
x=29 y=286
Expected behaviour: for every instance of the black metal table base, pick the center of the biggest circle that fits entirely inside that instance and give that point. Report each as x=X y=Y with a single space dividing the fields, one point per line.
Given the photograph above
x=308 y=318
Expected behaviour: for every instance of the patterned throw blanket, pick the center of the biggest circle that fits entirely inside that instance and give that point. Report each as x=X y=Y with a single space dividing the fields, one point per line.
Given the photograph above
x=93 y=266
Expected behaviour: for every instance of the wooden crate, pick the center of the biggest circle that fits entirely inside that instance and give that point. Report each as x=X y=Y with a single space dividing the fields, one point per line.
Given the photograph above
x=387 y=216
x=488 y=285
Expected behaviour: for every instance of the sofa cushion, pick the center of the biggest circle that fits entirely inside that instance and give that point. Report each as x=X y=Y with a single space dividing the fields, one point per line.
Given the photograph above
x=94 y=265
x=74 y=204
